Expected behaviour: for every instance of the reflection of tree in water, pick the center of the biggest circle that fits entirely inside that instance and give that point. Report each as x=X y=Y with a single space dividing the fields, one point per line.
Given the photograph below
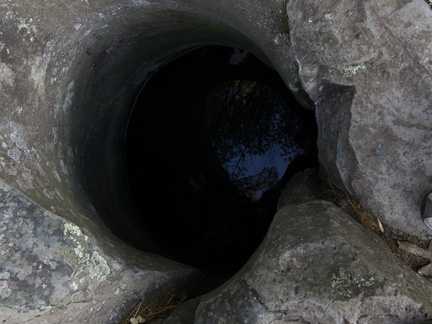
x=253 y=132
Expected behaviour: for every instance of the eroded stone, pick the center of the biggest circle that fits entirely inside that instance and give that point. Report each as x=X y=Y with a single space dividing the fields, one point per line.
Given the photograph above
x=367 y=67
x=53 y=270
x=317 y=265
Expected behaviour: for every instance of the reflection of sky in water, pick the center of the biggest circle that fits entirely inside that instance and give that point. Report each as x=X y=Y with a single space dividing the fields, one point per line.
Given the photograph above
x=254 y=134
x=245 y=170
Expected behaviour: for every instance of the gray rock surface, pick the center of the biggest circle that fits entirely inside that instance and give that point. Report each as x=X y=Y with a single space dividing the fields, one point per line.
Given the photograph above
x=303 y=187
x=52 y=271
x=183 y=314
x=367 y=66
x=68 y=69
x=427 y=211
x=317 y=265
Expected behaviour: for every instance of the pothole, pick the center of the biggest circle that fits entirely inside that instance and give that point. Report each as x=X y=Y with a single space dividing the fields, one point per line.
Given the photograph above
x=213 y=137
x=167 y=125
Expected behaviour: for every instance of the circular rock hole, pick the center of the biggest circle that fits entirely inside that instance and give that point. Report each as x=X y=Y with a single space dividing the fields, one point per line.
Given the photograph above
x=213 y=136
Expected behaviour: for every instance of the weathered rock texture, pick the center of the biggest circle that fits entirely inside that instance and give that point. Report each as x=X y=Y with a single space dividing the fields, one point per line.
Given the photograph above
x=68 y=69
x=69 y=72
x=317 y=265
x=52 y=271
x=367 y=66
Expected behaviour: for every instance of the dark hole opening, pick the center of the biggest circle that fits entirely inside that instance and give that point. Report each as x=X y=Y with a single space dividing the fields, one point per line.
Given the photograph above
x=213 y=137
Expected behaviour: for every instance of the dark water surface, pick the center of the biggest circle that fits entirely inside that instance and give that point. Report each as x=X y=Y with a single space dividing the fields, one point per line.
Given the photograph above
x=213 y=137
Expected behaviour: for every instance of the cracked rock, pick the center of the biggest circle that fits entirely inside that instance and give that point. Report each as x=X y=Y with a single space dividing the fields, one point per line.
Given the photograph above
x=366 y=65
x=317 y=265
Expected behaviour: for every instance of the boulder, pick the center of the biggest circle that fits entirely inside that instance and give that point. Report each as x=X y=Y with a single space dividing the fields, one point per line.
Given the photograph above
x=317 y=265
x=54 y=271
x=367 y=67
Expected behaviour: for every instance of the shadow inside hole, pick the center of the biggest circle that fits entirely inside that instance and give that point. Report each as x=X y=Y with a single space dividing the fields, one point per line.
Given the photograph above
x=213 y=137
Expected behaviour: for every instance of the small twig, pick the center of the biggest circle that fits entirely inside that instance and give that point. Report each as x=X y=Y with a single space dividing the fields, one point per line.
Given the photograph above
x=138 y=309
x=380 y=225
x=143 y=313
x=415 y=250
x=133 y=310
